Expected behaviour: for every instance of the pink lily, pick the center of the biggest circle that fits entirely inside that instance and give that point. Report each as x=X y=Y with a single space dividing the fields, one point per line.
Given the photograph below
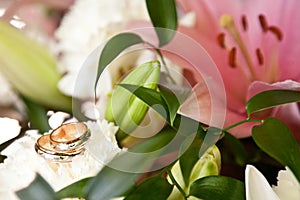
x=33 y=12
x=255 y=47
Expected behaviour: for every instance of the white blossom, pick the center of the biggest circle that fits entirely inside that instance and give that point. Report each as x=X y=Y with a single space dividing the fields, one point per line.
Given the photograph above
x=22 y=162
x=258 y=188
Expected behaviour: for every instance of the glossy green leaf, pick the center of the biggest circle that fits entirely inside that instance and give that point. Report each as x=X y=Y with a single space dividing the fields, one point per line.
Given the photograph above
x=122 y=172
x=237 y=149
x=157 y=187
x=76 y=189
x=218 y=188
x=271 y=98
x=164 y=19
x=275 y=138
x=149 y=96
x=38 y=189
x=37 y=115
x=189 y=158
x=172 y=102
x=113 y=48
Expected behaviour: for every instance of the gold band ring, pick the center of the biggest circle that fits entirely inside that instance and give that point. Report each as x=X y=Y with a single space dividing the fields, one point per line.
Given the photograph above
x=63 y=143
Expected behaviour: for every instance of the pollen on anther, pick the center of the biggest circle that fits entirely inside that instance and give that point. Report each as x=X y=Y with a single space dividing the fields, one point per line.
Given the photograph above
x=259 y=56
x=263 y=22
x=232 y=57
x=244 y=22
x=221 y=40
x=277 y=32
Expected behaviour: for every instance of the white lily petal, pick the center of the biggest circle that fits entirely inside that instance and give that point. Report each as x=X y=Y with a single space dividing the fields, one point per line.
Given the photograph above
x=257 y=187
x=9 y=128
x=288 y=187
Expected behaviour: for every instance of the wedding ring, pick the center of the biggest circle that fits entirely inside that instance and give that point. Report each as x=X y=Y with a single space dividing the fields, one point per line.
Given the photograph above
x=63 y=143
x=70 y=136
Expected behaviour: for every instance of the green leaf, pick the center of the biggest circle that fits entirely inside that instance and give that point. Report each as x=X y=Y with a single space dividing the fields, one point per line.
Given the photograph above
x=76 y=189
x=123 y=171
x=37 y=115
x=189 y=158
x=38 y=189
x=113 y=48
x=271 y=98
x=237 y=149
x=172 y=102
x=275 y=138
x=157 y=187
x=164 y=19
x=218 y=188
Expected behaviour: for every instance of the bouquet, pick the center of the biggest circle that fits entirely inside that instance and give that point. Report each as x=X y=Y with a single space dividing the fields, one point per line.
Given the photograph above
x=149 y=100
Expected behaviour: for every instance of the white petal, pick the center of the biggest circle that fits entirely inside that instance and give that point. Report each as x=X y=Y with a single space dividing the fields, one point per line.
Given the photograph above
x=257 y=187
x=288 y=186
x=9 y=128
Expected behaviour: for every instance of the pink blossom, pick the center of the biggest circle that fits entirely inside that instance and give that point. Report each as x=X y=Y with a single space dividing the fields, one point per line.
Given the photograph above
x=34 y=12
x=255 y=45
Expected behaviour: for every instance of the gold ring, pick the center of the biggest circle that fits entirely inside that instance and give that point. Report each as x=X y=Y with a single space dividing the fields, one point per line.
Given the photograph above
x=70 y=136
x=63 y=143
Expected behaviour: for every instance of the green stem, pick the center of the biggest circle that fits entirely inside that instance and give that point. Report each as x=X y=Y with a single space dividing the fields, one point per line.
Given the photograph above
x=176 y=184
x=239 y=123
x=158 y=51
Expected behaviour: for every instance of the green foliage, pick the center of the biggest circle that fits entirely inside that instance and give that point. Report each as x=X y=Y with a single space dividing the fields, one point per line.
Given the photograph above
x=76 y=189
x=218 y=188
x=164 y=19
x=113 y=48
x=271 y=98
x=38 y=189
x=37 y=115
x=171 y=101
x=157 y=187
x=120 y=174
x=275 y=138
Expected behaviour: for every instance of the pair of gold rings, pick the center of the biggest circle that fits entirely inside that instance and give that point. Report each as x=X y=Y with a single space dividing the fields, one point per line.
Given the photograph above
x=63 y=143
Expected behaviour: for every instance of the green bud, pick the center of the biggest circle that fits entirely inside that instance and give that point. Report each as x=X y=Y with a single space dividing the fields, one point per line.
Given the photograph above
x=30 y=69
x=125 y=109
x=209 y=164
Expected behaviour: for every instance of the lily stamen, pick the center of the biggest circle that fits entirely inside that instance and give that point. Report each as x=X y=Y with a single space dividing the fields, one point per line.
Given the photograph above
x=221 y=40
x=276 y=31
x=244 y=23
x=232 y=58
x=228 y=23
x=263 y=23
x=259 y=56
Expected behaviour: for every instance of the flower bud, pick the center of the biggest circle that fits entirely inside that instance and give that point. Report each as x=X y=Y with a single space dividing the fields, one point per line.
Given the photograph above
x=209 y=164
x=30 y=69
x=125 y=109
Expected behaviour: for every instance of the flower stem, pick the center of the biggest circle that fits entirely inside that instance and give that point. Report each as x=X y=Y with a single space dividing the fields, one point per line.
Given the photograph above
x=240 y=123
x=176 y=184
x=158 y=51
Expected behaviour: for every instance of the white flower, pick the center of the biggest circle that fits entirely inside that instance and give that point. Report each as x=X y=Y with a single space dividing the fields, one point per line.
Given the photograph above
x=9 y=128
x=90 y=23
x=288 y=186
x=258 y=188
x=22 y=162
